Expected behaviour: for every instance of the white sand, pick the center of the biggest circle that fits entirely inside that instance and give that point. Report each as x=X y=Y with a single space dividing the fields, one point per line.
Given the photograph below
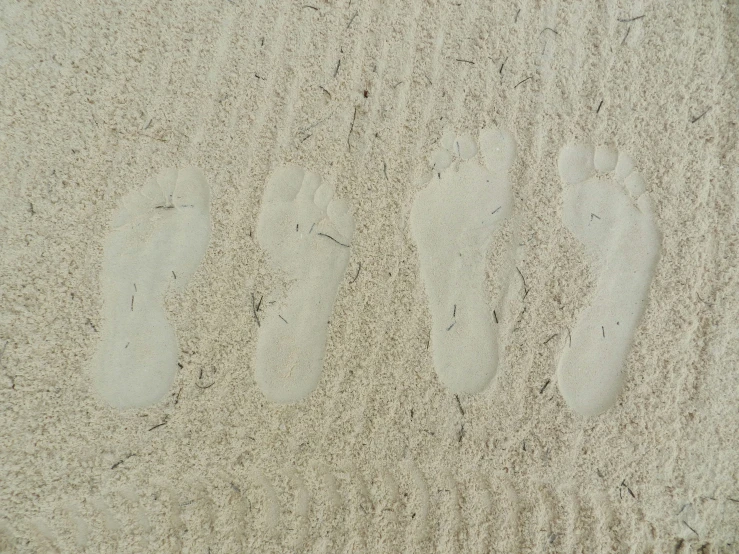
x=96 y=100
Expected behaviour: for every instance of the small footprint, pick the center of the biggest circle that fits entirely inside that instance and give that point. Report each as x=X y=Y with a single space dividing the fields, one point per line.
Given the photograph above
x=159 y=236
x=453 y=221
x=307 y=234
x=613 y=218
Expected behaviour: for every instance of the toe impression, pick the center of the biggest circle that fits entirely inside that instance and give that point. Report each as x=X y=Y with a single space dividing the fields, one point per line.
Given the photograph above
x=498 y=148
x=576 y=163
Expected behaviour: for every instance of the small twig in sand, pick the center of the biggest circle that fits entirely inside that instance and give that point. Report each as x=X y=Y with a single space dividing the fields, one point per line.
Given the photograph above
x=254 y=310
x=694 y=119
x=351 y=128
x=352 y=19
x=358 y=270
x=689 y=527
x=631 y=19
x=200 y=378
x=158 y=425
x=459 y=404
x=115 y=465
x=623 y=484
x=522 y=82
x=525 y=288
x=333 y=239
x=628 y=30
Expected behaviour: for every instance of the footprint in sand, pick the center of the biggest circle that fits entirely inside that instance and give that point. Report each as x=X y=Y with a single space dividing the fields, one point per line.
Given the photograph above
x=453 y=221
x=612 y=217
x=307 y=234
x=159 y=235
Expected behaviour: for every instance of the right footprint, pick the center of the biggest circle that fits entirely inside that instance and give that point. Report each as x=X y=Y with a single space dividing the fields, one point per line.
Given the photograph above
x=307 y=234
x=453 y=222
x=612 y=217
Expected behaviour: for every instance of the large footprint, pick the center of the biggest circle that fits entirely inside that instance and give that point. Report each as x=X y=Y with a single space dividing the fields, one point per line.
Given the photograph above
x=453 y=221
x=159 y=236
x=307 y=234
x=613 y=219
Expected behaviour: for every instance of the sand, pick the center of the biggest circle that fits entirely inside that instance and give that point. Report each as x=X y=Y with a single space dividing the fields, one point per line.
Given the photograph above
x=382 y=455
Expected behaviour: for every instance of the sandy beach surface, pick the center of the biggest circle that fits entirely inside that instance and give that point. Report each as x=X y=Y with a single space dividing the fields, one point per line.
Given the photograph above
x=369 y=276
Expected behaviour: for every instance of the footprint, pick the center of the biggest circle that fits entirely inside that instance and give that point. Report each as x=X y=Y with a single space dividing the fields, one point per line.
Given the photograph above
x=613 y=218
x=307 y=234
x=453 y=221
x=159 y=235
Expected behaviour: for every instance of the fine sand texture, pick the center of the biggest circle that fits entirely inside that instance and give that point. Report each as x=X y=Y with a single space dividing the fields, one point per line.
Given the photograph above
x=369 y=276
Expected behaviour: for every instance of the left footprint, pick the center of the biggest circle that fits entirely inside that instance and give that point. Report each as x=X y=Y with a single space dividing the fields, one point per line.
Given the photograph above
x=453 y=222
x=159 y=236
